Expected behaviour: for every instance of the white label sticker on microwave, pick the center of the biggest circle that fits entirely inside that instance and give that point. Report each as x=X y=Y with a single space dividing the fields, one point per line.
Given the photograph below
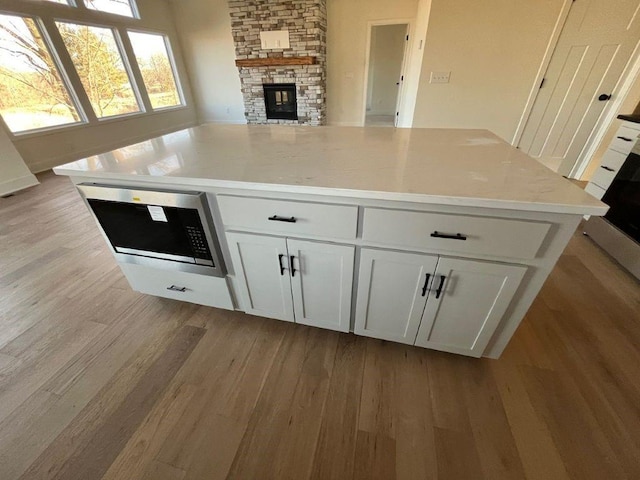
x=157 y=213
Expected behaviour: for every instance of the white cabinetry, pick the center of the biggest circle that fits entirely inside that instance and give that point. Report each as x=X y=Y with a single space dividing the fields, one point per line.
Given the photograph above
x=188 y=287
x=294 y=280
x=467 y=301
x=443 y=303
x=613 y=158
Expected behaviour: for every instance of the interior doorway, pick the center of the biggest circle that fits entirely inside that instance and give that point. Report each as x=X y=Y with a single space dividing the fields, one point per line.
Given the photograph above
x=387 y=51
x=585 y=73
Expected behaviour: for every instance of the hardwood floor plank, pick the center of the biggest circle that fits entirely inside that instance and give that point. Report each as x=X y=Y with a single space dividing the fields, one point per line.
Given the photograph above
x=336 y=448
x=457 y=456
x=97 y=455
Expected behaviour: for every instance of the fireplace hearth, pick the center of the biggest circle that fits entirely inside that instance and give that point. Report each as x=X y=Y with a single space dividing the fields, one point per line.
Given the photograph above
x=280 y=101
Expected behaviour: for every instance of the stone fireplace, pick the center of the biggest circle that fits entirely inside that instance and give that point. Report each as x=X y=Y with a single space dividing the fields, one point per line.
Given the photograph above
x=303 y=64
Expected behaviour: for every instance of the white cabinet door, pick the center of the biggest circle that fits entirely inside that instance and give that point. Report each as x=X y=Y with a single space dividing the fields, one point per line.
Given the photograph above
x=262 y=269
x=472 y=300
x=392 y=291
x=321 y=283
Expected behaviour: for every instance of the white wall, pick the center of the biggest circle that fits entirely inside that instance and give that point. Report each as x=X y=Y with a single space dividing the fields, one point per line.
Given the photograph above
x=42 y=151
x=14 y=174
x=385 y=64
x=204 y=30
x=493 y=50
x=347 y=52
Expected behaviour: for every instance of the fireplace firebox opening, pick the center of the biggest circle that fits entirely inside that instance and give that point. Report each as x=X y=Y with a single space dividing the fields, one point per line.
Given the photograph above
x=280 y=101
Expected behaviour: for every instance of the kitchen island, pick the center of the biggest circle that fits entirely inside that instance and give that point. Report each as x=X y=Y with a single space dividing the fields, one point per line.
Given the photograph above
x=438 y=238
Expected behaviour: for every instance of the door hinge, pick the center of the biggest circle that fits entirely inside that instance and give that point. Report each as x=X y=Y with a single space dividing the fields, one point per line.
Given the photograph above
x=407 y=37
x=397 y=113
x=542 y=82
x=402 y=78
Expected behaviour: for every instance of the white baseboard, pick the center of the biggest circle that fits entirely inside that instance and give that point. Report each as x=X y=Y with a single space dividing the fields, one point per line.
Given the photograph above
x=49 y=163
x=16 y=184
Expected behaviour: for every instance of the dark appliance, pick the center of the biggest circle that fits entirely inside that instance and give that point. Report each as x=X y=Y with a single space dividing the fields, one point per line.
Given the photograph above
x=161 y=228
x=618 y=232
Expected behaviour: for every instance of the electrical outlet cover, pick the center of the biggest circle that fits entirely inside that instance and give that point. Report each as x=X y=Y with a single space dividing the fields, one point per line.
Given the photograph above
x=439 y=77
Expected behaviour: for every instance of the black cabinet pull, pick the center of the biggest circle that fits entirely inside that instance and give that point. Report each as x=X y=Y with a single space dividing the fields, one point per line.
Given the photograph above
x=457 y=236
x=626 y=139
x=276 y=218
x=293 y=270
x=604 y=97
x=426 y=282
x=173 y=288
x=280 y=255
x=439 y=291
x=608 y=169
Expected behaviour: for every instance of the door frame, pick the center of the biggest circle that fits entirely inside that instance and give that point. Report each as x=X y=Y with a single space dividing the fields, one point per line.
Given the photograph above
x=401 y=98
x=604 y=122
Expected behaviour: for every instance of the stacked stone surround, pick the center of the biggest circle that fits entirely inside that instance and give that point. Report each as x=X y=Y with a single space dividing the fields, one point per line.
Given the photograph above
x=306 y=21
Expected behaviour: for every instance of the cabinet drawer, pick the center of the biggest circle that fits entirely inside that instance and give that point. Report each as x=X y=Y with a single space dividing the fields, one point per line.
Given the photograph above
x=624 y=140
x=189 y=287
x=609 y=166
x=595 y=190
x=484 y=236
x=306 y=218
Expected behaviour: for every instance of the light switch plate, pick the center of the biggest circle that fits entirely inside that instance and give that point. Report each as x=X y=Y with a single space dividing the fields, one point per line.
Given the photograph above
x=439 y=77
x=274 y=39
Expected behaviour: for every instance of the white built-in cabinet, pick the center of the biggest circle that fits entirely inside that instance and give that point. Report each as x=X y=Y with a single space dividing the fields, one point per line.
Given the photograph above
x=294 y=280
x=431 y=301
x=432 y=279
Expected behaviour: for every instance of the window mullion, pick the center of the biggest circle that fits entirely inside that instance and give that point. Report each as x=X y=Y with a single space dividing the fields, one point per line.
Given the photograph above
x=129 y=59
x=77 y=89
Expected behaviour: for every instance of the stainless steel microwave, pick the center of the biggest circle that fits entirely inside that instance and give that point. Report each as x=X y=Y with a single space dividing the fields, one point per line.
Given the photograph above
x=160 y=228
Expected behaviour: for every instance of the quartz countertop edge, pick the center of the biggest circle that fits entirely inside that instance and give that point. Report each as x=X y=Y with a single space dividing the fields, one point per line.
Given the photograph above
x=425 y=166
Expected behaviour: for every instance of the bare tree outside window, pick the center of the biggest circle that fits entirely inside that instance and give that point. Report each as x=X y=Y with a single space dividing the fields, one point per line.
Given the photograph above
x=32 y=92
x=156 y=69
x=119 y=7
x=96 y=57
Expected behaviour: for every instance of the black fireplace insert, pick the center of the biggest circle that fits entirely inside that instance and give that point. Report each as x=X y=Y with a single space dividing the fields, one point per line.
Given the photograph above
x=280 y=100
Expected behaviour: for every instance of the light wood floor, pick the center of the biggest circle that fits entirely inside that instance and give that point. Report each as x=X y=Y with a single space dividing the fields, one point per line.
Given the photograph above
x=97 y=381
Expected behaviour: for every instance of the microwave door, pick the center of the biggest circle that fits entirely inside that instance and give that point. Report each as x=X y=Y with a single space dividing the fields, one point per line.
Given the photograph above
x=150 y=230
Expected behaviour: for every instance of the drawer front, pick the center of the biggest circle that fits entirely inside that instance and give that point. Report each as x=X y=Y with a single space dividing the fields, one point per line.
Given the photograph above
x=595 y=190
x=479 y=235
x=269 y=216
x=624 y=140
x=609 y=166
x=189 y=287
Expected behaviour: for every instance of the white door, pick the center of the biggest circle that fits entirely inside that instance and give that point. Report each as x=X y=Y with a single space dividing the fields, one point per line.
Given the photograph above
x=467 y=301
x=392 y=292
x=321 y=283
x=593 y=50
x=262 y=267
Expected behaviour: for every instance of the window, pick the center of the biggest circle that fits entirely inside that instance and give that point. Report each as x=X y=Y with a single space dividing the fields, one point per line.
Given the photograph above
x=32 y=90
x=97 y=59
x=119 y=7
x=156 y=69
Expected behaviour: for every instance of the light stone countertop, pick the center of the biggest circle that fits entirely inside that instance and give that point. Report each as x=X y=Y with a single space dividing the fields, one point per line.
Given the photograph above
x=471 y=168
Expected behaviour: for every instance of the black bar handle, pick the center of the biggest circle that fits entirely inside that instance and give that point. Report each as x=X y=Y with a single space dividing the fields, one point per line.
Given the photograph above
x=280 y=255
x=608 y=169
x=293 y=270
x=439 y=291
x=426 y=283
x=457 y=236
x=626 y=139
x=276 y=218
x=177 y=289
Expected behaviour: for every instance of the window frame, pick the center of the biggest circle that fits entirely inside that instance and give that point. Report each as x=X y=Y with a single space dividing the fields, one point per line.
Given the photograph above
x=172 y=63
x=125 y=63
x=66 y=83
x=46 y=13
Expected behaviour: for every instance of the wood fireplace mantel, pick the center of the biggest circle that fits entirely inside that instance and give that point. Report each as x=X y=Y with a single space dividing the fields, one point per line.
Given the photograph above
x=275 y=61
